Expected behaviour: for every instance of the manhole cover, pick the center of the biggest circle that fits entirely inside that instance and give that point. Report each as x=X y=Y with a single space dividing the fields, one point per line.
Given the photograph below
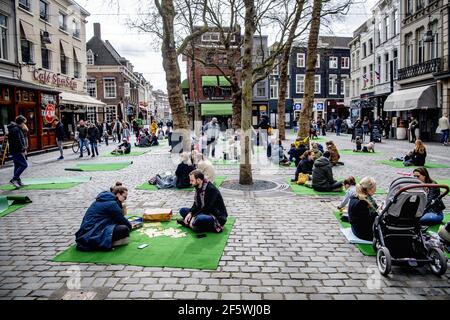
x=258 y=185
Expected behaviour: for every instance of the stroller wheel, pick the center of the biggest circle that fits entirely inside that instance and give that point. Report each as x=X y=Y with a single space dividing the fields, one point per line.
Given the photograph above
x=438 y=263
x=384 y=261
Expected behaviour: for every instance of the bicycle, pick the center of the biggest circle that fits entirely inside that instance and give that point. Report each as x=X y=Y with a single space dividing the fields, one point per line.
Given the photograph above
x=76 y=146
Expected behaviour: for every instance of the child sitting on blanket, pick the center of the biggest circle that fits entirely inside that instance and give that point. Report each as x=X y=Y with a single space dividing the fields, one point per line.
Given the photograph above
x=370 y=147
x=350 y=186
x=123 y=148
x=358 y=142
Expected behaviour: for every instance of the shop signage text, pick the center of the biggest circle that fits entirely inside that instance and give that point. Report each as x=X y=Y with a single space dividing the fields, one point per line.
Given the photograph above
x=50 y=78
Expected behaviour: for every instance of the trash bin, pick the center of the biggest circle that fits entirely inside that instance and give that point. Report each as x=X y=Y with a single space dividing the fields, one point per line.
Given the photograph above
x=401 y=133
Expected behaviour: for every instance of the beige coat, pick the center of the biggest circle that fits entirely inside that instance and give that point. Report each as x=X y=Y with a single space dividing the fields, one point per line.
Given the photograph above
x=444 y=123
x=206 y=167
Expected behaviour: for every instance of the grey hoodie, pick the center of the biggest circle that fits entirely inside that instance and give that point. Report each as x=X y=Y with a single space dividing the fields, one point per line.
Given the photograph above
x=322 y=176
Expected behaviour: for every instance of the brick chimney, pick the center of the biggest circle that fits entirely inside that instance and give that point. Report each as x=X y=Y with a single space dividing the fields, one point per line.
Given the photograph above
x=97 y=30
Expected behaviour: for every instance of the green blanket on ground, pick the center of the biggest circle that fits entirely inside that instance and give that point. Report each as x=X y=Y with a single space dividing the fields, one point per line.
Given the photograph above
x=131 y=154
x=170 y=245
x=399 y=164
x=367 y=249
x=222 y=162
x=301 y=190
x=150 y=187
x=52 y=183
x=350 y=152
x=111 y=166
x=10 y=204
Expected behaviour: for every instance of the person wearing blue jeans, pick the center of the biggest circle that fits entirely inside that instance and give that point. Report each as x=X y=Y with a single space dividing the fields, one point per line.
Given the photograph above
x=208 y=214
x=83 y=135
x=17 y=149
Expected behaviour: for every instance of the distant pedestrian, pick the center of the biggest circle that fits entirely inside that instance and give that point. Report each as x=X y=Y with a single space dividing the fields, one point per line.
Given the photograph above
x=387 y=128
x=117 y=129
x=93 y=135
x=444 y=127
x=338 y=125
x=106 y=130
x=413 y=125
x=59 y=132
x=212 y=130
x=17 y=149
x=126 y=131
x=83 y=138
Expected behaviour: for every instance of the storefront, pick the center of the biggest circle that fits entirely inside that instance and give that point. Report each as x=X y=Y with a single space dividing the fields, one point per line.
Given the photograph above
x=221 y=111
x=336 y=108
x=420 y=102
x=259 y=109
x=75 y=107
x=36 y=103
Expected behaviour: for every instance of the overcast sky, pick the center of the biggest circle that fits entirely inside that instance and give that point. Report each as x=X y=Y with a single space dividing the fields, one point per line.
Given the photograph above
x=140 y=48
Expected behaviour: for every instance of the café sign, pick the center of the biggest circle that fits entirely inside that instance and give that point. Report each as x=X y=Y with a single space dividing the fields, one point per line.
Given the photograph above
x=50 y=78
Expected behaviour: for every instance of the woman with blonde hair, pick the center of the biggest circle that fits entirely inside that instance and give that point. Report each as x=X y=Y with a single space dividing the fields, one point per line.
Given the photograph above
x=417 y=156
x=362 y=209
x=183 y=171
x=205 y=166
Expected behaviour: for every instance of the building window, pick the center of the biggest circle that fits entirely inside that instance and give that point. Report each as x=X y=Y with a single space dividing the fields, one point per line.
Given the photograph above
x=317 y=84
x=334 y=62
x=371 y=74
x=63 y=60
x=27 y=51
x=92 y=87
x=345 y=86
x=318 y=61
x=111 y=113
x=332 y=84
x=62 y=21
x=357 y=59
x=386 y=67
x=261 y=89
x=300 y=60
x=420 y=45
x=3 y=37
x=380 y=38
x=409 y=7
x=433 y=46
x=210 y=37
x=76 y=28
x=273 y=89
x=25 y=4
x=370 y=46
x=387 y=27
x=91 y=114
x=275 y=69
x=43 y=10
x=420 y=4
x=395 y=64
x=76 y=69
x=300 y=83
x=364 y=50
x=409 y=50
x=365 y=77
x=345 y=62
x=90 y=58
x=358 y=86
x=46 y=58
x=353 y=61
x=110 y=88
x=395 y=24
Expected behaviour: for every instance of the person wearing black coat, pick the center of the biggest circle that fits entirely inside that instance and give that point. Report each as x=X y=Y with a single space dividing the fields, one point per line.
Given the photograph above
x=104 y=225
x=208 y=214
x=17 y=149
x=59 y=133
x=322 y=175
x=306 y=164
x=183 y=171
x=93 y=135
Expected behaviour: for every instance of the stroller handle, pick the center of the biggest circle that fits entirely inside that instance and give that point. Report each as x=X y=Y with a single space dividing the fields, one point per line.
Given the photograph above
x=425 y=185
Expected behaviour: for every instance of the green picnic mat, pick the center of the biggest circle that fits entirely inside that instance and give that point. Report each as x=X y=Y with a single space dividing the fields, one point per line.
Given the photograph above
x=131 y=154
x=52 y=183
x=305 y=191
x=318 y=139
x=399 y=164
x=111 y=166
x=10 y=204
x=170 y=245
x=225 y=162
x=150 y=187
x=350 y=152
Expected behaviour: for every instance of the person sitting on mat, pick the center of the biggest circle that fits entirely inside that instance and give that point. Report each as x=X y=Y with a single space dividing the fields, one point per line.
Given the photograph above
x=370 y=147
x=322 y=175
x=295 y=152
x=205 y=166
x=358 y=143
x=123 y=148
x=362 y=209
x=208 y=214
x=350 y=186
x=434 y=215
x=183 y=171
x=316 y=150
x=417 y=156
x=154 y=140
x=306 y=164
x=104 y=225
x=335 y=156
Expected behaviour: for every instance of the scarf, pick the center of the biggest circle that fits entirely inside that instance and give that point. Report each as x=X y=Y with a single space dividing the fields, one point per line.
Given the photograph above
x=217 y=226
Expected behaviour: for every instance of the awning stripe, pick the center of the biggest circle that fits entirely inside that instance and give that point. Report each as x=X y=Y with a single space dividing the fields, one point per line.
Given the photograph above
x=28 y=32
x=217 y=109
x=67 y=49
x=209 y=81
x=409 y=99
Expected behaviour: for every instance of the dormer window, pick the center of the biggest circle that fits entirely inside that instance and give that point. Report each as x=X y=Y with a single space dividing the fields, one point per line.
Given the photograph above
x=90 y=57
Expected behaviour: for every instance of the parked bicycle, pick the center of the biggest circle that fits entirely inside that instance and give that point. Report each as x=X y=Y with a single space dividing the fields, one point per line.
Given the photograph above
x=76 y=145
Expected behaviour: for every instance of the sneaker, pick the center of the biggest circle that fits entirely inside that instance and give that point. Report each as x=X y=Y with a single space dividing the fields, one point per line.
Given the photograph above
x=121 y=242
x=181 y=221
x=15 y=183
x=93 y=156
x=80 y=156
x=20 y=183
x=60 y=158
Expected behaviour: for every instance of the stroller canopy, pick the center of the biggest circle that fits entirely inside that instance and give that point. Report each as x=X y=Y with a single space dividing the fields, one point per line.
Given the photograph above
x=407 y=200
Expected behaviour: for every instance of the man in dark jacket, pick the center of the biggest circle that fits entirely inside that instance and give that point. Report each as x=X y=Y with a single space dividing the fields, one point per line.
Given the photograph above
x=104 y=224
x=338 y=125
x=59 y=132
x=82 y=136
x=208 y=212
x=262 y=136
x=322 y=175
x=93 y=136
x=17 y=149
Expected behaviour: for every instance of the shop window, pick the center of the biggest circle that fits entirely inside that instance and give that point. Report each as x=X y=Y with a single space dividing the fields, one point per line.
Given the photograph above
x=48 y=108
x=3 y=37
x=111 y=113
x=91 y=114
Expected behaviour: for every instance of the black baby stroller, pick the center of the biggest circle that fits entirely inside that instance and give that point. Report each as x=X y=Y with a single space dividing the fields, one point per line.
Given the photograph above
x=376 y=133
x=399 y=239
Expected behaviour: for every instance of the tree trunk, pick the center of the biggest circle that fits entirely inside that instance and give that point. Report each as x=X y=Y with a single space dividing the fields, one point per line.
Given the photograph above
x=197 y=116
x=245 y=172
x=283 y=71
x=173 y=75
x=306 y=112
x=236 y=97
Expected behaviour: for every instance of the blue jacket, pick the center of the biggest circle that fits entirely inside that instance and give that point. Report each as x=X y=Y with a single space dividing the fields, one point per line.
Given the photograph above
x=99 y=222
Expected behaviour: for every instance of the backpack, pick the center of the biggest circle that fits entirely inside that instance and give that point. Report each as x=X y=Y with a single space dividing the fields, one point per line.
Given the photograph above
x=302 y=178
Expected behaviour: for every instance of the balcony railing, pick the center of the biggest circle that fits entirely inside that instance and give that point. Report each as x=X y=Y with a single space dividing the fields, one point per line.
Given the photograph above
x=430 y=66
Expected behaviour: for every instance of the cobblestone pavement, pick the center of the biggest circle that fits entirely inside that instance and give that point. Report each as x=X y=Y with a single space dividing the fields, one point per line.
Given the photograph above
x=282 y=246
